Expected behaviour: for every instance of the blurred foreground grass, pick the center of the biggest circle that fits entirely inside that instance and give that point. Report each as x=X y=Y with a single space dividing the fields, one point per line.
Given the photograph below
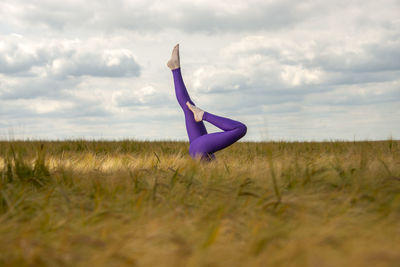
x=99 y=203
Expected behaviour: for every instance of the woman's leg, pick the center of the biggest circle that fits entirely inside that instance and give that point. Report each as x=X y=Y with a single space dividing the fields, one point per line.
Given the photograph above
x=210 y=143
x=193 y=128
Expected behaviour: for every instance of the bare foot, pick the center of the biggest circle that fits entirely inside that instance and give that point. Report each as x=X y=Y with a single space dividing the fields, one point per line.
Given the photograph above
x=197 y=112
x=174 y=62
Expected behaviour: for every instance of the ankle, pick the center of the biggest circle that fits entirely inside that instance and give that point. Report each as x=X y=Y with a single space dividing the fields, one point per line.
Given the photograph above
x=204 y=116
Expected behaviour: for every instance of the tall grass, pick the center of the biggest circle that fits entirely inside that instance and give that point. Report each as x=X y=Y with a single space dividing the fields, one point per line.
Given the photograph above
x=80 y=203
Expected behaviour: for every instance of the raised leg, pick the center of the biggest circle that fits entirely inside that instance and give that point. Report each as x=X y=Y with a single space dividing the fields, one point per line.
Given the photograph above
x=210 y=143
x=194 y=129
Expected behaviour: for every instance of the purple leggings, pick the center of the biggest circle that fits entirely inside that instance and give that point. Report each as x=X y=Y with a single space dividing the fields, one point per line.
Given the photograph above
x=201 y=143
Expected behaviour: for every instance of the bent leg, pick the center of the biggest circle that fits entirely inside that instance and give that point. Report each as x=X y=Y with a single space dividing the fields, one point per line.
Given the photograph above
x=210 y=143
x=193 y=128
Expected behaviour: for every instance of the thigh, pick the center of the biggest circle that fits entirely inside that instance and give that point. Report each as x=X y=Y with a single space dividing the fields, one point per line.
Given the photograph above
x=210 y=143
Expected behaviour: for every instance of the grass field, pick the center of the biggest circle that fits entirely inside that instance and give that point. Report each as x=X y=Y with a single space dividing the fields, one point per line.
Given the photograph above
x=129 y=203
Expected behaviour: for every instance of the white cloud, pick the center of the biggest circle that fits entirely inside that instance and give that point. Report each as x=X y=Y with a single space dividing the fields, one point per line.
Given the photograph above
x=145 y=96
x=298 y=75
x=213 y=79
x=190 y=16
x=22 y=56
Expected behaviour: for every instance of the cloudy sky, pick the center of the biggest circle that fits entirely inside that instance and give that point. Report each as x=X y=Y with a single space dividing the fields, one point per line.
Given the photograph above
x=290 y=70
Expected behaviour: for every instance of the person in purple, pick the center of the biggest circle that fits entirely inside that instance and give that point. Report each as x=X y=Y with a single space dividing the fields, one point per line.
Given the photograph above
x=202 y=144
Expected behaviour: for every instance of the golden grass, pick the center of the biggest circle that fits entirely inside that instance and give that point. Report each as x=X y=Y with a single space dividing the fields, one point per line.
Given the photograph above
x=99 y=203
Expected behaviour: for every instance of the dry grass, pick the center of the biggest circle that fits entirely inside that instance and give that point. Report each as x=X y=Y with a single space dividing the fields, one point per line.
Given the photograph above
x=98 y=203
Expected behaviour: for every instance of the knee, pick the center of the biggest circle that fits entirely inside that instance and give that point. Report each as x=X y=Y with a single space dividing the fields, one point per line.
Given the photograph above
x=242 y=130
